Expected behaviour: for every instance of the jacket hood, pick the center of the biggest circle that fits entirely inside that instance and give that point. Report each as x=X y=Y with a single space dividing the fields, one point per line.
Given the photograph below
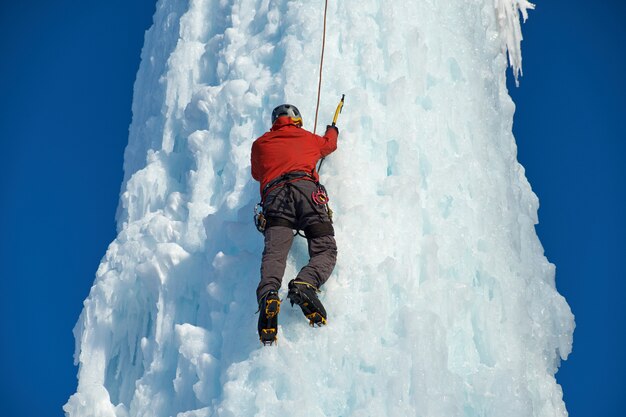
x=283 y=121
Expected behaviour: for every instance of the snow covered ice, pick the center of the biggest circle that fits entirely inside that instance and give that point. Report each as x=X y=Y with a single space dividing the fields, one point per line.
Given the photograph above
x=442 y=302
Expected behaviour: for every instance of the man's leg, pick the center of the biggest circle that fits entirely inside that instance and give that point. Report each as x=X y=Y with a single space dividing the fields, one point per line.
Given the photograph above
x=313 y=219
x=303 y=289
x=278 y=240
x=323 y=257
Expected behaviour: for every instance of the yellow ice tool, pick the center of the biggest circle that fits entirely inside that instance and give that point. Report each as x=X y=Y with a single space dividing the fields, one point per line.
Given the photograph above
x=338 y=110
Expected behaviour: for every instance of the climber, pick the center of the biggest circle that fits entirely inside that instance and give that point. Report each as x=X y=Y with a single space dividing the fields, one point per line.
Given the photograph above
x=284 y=161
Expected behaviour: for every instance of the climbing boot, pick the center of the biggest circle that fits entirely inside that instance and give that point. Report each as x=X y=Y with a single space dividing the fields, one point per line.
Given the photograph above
x=305 y=295
x=269 y=307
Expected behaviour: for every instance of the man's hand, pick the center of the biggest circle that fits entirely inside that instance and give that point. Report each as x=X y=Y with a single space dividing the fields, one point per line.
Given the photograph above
x=333 y=127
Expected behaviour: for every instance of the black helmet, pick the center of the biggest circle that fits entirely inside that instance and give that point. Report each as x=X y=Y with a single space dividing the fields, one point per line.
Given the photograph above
x=287 y=110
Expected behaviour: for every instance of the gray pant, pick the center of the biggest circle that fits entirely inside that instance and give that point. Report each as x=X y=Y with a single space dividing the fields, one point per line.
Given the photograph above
x=293 y=202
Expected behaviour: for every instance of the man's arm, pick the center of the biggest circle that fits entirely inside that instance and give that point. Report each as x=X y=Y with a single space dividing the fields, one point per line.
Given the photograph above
x=253 y=163
x=328 y=142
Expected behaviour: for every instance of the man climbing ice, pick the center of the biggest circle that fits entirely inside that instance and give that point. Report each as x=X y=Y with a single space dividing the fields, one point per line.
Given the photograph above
x=284 y=162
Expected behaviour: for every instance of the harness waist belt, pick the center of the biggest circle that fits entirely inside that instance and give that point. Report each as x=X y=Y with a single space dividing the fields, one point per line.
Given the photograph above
x=290 y=176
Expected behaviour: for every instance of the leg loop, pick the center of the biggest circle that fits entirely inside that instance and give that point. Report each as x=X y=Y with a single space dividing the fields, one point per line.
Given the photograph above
x=279 y=221
x=319 y=230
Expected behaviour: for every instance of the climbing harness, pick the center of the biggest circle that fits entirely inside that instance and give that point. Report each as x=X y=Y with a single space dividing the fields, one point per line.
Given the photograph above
x=260 y=221
x=319 y=197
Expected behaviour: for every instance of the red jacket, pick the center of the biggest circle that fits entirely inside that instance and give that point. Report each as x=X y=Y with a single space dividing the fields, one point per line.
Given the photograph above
x=286 y=148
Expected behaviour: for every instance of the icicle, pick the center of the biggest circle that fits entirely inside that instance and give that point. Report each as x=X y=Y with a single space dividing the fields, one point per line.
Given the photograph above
x=510 y=30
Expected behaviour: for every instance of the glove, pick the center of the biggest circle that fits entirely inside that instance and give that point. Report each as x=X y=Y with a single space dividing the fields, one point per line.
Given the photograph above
x=333 y=127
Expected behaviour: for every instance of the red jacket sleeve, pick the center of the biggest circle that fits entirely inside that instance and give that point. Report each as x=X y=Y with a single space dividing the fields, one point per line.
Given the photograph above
x=328 y=142
x=254 y=165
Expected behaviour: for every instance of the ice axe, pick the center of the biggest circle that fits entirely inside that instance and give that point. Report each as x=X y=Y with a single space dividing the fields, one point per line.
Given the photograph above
x=335 y=117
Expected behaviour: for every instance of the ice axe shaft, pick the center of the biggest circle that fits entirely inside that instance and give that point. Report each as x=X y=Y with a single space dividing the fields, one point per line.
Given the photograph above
x=338 y=110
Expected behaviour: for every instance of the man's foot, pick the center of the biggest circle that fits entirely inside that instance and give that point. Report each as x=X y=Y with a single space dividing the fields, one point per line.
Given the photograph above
x=305 y=295
x=269 y=307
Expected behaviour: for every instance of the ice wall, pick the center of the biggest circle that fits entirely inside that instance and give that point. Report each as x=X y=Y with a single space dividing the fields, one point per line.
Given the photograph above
x=442 y=302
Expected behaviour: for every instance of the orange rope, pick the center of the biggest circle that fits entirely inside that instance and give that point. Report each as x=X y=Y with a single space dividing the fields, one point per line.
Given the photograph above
x=319 y=86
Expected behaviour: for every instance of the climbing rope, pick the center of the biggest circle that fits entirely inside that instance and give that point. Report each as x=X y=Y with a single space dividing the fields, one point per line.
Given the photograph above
x=319 y=86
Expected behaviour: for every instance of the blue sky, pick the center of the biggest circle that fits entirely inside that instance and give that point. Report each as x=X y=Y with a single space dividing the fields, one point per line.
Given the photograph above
x=66 y=81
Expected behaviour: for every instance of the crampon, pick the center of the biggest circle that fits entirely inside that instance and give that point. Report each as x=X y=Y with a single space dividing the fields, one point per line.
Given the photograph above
x=305 y=295
x=269 y=307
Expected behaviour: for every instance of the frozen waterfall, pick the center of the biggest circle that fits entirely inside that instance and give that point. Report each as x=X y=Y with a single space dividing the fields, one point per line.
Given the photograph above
x=442 y=303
